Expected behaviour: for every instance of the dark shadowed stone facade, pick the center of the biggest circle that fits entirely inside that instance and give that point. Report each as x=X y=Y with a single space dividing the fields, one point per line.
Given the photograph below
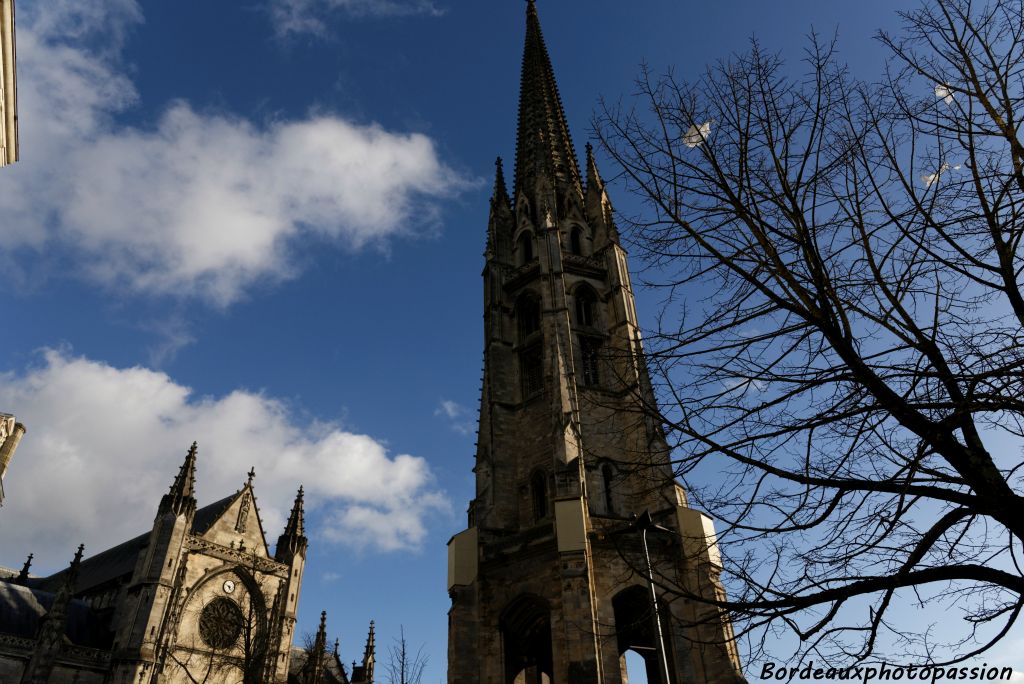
x=543 y=584
x=318 y=665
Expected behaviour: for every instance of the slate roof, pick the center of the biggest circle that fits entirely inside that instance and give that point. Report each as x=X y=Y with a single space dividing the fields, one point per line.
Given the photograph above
x=207 y=515
x=22 y=608
x=100 y=568
x=119 y=561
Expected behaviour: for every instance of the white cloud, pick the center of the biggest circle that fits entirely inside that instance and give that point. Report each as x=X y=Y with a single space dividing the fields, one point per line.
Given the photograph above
x=104 y=443
x=199 y=204
x=310 y=16
x=449 y=408
x=172 y=335
x=458 y=416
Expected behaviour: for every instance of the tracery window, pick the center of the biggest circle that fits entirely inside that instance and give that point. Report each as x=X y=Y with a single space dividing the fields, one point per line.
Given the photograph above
x=220 y=623
x=586 y=303
x=527 y=316
x=539 y=494
x=531 y=370
x=589 y=358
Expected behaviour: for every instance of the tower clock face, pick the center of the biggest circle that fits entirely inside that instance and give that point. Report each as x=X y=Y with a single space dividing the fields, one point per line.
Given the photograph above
x=229 y=586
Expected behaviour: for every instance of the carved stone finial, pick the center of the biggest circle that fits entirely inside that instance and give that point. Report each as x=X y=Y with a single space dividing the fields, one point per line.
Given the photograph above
x=22 y=577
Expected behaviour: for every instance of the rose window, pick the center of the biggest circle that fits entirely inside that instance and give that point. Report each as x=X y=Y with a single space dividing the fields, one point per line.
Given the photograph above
x=220 y=623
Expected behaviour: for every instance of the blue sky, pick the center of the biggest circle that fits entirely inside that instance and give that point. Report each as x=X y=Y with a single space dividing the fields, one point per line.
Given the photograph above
x=259 y=225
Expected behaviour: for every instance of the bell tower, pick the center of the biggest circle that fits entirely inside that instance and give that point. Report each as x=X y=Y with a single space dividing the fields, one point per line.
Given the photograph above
x=546 y=582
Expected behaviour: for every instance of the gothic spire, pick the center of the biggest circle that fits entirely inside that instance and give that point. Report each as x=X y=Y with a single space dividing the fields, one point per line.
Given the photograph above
x=594 y=180
x=181 y=497
x=368 y=651
x=500 y=224
x=294 y=538
x=599 y=207
x=22 y=577
x=316 y=660
x=296 y=520
x=500 y=193
x=320 y=643
x=50 y=634
x=321 y=632
x=368 y=655
x=57 y=614
x=543 y=144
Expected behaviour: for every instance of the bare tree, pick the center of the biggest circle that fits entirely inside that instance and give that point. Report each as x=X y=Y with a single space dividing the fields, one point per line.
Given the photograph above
x=404 y=667
x=840 y=349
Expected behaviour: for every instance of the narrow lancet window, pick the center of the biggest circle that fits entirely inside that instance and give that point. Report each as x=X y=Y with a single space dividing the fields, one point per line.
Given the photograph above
x=576 y=241
x=527 y=316
x=586 y=302
x=606 y=477
x=525 y=247
x=539 y=493
x=589 y=352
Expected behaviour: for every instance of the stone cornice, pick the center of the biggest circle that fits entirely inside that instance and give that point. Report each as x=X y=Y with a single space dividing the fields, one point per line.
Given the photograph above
x=209 y=548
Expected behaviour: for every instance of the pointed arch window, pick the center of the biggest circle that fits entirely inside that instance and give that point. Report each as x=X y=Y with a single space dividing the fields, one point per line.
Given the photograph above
x=576 y=241
x=607 y=475
x=525 y=248
x=531 y=371
x=527 y=316
x=586 y=305
x=539 y=494
x=590 y=352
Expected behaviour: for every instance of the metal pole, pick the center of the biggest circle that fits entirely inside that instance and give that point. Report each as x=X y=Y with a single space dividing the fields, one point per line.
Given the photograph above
x=660 y=645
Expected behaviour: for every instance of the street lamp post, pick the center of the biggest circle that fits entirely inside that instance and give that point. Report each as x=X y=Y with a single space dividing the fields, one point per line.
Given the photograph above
x=644 y=523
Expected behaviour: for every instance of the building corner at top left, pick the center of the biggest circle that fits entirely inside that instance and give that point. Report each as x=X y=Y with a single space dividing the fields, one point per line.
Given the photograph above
x=8 y=86
x=11 y=432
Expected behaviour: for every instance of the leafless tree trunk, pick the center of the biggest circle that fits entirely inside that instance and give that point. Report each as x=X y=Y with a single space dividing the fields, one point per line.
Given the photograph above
x=840 y=351
x=404 y=667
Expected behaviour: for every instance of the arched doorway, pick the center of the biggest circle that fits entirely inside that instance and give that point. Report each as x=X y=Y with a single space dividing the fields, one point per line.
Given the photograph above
x=635 y=670
x=635 y=635
x=526 y=633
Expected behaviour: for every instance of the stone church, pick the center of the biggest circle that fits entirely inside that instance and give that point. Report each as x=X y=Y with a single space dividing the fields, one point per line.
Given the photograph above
x=548 y=583
x=197 y=598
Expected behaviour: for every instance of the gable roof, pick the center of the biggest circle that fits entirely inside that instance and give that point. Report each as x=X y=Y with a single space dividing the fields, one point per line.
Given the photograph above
x=221 y=509
x=118 y=562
